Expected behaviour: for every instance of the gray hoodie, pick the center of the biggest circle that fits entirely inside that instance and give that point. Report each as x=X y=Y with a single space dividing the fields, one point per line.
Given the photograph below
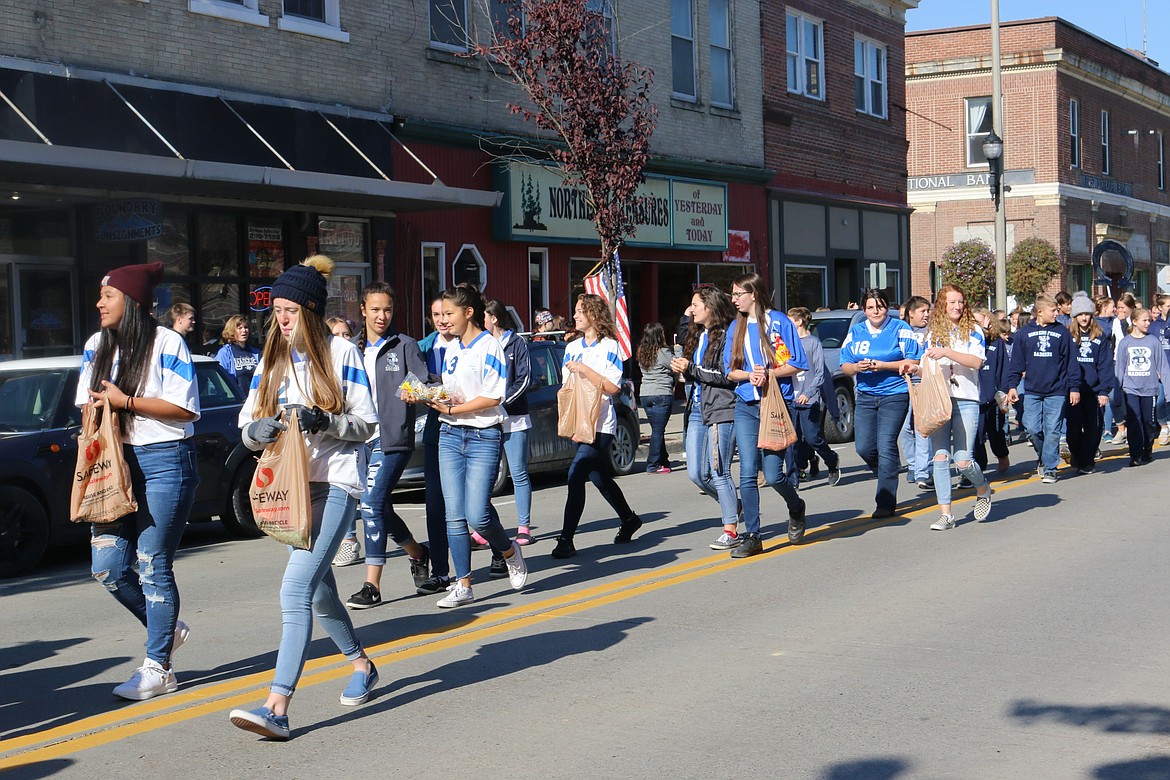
x=1141 y=363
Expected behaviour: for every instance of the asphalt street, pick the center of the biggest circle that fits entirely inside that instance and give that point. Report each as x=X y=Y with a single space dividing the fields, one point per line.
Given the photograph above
x=1031 y=645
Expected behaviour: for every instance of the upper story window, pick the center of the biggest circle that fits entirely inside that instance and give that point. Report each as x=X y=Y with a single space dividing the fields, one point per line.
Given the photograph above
x=246 y=11
x=603 y=23
x=682 y=49
x=806 y=58
x=978 y=127
x=722 y=71
x=1106 y=156
x=1074 y=132
x=501 y=12
x=320 y=18
x=449 y=24
x=869 y=71
x=1161 y=161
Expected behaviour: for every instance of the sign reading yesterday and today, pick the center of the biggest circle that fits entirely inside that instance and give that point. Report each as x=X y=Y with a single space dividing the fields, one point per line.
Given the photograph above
x=666 y=212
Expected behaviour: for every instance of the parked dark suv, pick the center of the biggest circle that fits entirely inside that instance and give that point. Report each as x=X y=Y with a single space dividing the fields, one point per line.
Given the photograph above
x=38 y=452
x=831 y=328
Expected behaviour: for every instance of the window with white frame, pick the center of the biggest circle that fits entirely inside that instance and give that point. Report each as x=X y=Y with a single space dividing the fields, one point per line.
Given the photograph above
x=502 y=12
x=469 y=266
x=722 y=65
x=682 y=49
x=978 y=127
x=806 y=60
x=1106 y=157
x=869 y=71
x=1161 y=161
x=246 y=11
x=602 y=24
x=805 y=285
x=537 y=282
x=434 y=279
x=1074 y=132
x=449 y=24
x=320 y=18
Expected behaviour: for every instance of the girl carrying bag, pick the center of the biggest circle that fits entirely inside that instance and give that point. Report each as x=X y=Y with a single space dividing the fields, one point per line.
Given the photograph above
x=776 y=429
x=578 y=407
x=102 y=490
x=280 y=489
x=930 y=399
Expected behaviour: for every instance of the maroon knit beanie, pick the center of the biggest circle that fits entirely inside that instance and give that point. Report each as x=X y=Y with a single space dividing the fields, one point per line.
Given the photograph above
x=137 y=281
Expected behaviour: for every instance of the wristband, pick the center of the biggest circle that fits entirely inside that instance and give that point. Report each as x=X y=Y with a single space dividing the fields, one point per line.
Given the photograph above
x=130 y=403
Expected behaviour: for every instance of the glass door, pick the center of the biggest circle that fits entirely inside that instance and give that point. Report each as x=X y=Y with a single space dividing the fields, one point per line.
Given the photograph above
x=46 y=307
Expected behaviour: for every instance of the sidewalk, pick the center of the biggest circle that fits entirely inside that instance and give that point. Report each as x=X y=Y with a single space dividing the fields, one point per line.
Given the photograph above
x=675 y=445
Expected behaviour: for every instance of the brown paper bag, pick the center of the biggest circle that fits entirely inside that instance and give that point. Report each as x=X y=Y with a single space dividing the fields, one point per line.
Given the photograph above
x=776 y=429
x=930 y=399
x=578 y=407
x=102 y=490
x=280 y=488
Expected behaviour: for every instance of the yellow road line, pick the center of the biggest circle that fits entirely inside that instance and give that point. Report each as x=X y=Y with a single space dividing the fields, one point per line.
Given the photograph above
x=130 y=721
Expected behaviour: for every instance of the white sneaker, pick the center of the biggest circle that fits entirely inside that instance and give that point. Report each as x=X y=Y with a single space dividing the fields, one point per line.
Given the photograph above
x=148 y=681
x=983 y=506
x=517 y=568
x=1119 y=437
x=348 y=554
x=456 y=596
x=1164 y=436
x=182 y=631
x=944 y=523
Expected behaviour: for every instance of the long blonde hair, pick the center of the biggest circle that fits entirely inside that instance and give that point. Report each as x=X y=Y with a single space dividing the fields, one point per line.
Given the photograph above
x=310 y=337
x=940 y=326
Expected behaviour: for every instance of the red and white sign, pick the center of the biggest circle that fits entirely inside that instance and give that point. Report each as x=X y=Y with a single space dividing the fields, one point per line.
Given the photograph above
x=739 y=247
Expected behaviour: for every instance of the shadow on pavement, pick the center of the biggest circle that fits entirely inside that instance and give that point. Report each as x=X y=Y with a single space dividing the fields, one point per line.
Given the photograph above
x=1152 y=768
x=38 y=699
x=490 y=662
x=39 y=769
x=867 y=769
x=1111 y=719
x=1009 y=508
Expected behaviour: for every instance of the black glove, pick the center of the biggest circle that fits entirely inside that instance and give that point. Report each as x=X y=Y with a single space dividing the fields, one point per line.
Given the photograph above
x=312 y=420
x=266 y=429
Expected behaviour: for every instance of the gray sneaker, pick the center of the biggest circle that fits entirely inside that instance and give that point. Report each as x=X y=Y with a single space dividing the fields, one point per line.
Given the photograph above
x=749 y=546
x=517 y=568
x=1049 y=478
x=834 y=477
x=348 y=554
x=944 y=523
x=726 y=542
x=456 y=596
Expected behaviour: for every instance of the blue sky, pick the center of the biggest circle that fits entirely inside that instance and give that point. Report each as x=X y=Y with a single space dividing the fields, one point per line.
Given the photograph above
x=1117 y=21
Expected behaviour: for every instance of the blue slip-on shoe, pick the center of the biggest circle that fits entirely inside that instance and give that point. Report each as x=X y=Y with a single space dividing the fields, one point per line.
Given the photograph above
x=360 y=686
x=261 y=721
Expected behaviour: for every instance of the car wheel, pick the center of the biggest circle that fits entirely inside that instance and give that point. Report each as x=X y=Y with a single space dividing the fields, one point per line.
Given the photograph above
x=238 y=519
x=842 y=430
x=625 y=446
x=24 y=531
x=501 y=482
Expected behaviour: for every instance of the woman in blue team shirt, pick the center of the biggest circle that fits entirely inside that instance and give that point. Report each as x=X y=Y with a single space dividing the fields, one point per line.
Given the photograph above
x=878 y=352
x=761 y=341
x=236 y=357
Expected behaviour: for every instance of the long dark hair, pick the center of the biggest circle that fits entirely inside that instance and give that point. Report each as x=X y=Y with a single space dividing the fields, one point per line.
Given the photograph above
x=653 y=339
x=467 y=296
x=501 y=313
x=722 y=313
x=133 y=341
x=756 y=285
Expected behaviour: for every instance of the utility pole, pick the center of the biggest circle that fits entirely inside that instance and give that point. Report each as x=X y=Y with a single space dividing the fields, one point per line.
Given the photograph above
x=997 y=128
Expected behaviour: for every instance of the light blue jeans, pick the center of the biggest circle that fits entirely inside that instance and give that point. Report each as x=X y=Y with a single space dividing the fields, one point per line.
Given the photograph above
x=469 y=459
x=309 y=588
x=715 y=482
x=916 y=450
x=1042 y=418
x=779 y=467
x=957 y=436
x=516 y=448
x=164 y=477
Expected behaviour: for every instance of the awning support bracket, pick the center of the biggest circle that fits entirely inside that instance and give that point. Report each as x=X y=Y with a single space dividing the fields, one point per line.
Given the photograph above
x=25 y=119
x=145 y=121
x=353 y=146
x=256 y=133
x=434 y=177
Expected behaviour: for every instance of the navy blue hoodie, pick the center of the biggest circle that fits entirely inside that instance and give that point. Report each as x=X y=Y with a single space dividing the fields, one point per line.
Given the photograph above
x=1041 y=353
x=993 y=374
x=1090 y=366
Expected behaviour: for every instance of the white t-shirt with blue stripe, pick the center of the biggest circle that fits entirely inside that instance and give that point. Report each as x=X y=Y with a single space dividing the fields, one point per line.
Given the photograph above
x=341 y=463
x=964 y=383
x=171 y=377
x=602 y=357
x=476 y=371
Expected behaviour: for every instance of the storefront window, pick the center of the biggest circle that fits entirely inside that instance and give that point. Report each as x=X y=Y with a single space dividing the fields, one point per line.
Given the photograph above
x=172 y=247
x=46 y=311
x=265 y=249
x=218 y=245
x=35 y=233
x=721 y=275
x=7 y=347
x=218 y=301
x=434 y=279
x=537 y=281
x=343 y=240
x=345 y=289
x=804 y=285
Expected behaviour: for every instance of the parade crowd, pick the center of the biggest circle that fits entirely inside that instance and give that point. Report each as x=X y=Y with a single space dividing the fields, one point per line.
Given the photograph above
x=1076 y=370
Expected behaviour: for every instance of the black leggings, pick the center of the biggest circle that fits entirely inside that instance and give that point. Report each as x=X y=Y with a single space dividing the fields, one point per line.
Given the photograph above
x=990 y=431
x=1085 y=423
x=592 y=464
x=1140 y=426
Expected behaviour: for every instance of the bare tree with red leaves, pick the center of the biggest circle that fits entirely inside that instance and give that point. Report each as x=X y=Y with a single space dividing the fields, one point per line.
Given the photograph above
x=560 y=54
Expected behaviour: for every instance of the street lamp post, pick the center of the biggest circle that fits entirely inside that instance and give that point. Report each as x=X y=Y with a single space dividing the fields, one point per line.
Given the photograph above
x=995 y=148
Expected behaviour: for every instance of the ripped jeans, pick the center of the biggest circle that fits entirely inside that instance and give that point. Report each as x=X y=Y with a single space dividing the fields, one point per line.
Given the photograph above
x=164 y=477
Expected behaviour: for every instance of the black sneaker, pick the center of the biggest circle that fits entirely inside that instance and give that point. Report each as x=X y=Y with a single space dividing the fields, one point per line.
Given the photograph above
x=882 y=512
x=433 y=585
x=796 y=525
x=751 y=545
x=499 y=569
x=814 y=468
x=564 y=548
x=420 y=567
x=365 y=598
x=926 y=484
x=965 y=484
x=629 y=527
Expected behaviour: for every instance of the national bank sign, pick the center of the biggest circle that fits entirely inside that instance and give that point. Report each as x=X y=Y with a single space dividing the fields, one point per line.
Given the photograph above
x=666 y=211
x=959 y=181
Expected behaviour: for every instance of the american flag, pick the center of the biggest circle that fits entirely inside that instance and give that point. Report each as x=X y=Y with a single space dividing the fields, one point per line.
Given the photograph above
x=598 y=283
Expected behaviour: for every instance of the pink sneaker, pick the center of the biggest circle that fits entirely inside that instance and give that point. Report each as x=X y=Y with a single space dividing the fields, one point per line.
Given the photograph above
x=663 y=470
x=478 y=542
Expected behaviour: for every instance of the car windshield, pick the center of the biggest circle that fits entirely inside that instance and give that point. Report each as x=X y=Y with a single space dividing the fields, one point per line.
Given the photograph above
x=831 y=332
x=29 y=399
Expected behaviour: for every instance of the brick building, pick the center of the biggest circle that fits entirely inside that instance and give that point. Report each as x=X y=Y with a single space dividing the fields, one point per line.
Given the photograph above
x=1084 y=147
x=835 y=135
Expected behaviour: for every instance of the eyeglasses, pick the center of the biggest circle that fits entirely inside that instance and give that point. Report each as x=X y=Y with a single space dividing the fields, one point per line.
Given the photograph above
x=737 y=295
